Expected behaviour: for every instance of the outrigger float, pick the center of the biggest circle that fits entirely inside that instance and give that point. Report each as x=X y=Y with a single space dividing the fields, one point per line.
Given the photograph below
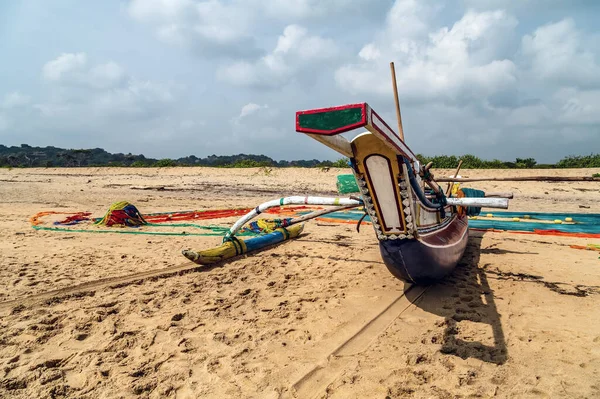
x=422 y=230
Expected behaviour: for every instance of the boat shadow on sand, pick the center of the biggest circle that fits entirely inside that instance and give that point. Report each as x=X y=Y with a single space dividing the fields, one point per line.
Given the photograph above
x=467 y=303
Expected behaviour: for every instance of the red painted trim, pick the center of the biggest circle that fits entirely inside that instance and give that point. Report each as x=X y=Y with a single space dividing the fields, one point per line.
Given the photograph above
x=386 y=125
x=384 y=134
x=363 y=121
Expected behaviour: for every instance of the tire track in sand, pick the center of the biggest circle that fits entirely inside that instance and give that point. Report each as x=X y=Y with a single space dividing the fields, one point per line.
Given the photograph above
x=314 y=383
x=110 y=282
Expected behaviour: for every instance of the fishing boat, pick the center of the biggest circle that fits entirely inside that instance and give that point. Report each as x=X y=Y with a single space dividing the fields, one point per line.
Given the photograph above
x=422 y=232
x=421 y=229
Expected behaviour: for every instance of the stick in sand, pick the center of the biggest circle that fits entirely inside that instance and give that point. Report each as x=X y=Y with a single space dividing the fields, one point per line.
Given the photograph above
x=455 y=174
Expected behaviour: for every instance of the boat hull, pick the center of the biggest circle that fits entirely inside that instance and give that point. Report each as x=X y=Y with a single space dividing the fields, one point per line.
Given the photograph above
x=429 y=258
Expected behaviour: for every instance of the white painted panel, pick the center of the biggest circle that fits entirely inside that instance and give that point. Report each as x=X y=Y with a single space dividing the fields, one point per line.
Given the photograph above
x=385 y=192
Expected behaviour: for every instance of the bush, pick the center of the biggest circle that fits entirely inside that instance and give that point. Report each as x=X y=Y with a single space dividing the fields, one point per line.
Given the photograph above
x=341 y=163
x=525 y=163
x=139 y=164
x=579 y=161
x=165 y=163
x=248 y=163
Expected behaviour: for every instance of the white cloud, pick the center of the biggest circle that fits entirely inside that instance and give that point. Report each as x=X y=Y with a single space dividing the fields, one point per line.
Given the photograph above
x=212 y=27
x=103 y=91
x=557 y=54
x=253 y=112
x=65 y=64
x=408 y=19
x=295 y=52
x=238 y=28
x=251 y=108
x=14 y=99
x=138 y=97
x=74 y=69
x=464 y=62
x=107 y=75
x=370 y=53
x=261 y=121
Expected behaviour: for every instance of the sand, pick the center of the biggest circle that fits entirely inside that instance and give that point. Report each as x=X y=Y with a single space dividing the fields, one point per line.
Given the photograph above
x=119 y=316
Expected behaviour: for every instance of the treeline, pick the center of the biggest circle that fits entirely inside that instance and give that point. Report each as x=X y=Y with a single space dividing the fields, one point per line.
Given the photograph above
x=28 y=156
x=473 y=162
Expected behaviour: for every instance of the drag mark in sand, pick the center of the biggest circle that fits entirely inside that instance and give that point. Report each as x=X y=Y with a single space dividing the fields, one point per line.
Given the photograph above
x=315 y=382
x=89 y=288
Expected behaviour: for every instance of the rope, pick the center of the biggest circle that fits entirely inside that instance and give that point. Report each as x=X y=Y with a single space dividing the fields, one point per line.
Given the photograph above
x=218 y=231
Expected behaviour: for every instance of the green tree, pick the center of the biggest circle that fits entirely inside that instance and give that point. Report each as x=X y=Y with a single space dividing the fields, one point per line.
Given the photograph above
x=527 y=163
x=341 y=163
x=166 y=162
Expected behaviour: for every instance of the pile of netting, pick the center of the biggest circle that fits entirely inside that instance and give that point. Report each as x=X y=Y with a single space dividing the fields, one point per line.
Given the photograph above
x=122 y=214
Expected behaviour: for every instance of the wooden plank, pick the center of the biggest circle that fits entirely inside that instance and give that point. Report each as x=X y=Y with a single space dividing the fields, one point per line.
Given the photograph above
x=337 y=143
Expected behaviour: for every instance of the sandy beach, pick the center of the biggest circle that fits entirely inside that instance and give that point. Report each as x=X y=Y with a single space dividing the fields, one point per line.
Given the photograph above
x=117 y=315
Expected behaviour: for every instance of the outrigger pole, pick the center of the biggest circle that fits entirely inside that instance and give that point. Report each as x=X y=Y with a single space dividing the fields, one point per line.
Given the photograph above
x=232 y=246
x=519 y=178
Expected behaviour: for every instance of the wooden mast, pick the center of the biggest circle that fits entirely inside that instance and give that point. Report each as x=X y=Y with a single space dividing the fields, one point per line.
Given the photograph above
x=398 y=115
x=431 y=183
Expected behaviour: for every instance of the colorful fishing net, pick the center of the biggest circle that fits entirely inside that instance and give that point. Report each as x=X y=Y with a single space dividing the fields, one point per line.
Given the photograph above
x=74 y=219
x=125 y=214
x=122 y=214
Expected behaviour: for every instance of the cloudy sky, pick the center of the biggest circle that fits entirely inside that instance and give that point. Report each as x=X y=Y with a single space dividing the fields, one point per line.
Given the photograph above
x=170 y=78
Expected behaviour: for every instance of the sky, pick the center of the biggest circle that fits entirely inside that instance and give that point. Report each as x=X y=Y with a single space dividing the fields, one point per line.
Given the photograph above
x=170 y=78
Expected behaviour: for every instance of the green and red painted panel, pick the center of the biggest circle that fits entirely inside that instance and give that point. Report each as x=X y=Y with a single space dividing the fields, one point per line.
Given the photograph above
x=333 y=120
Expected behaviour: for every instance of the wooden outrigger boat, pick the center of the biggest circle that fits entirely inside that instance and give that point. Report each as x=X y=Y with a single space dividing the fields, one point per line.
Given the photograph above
x=422 y=231
x=421 y=237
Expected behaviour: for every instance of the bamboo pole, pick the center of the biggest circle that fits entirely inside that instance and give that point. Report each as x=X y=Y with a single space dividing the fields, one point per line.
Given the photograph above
x=499 y=195
x=487 y=195
x=522 y=178
x=455 y=174
x=398 y=115
x=501 y=203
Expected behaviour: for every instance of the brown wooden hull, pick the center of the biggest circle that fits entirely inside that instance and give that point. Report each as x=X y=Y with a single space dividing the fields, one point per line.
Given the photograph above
x=430 y=257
